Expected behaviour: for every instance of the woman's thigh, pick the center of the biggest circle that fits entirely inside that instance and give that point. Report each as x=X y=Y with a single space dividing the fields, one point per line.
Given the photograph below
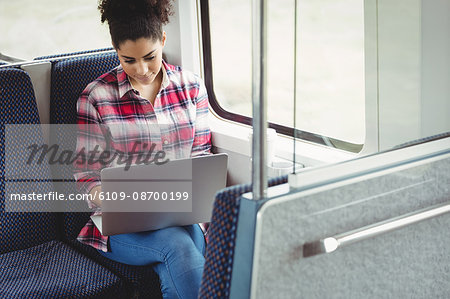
x=145 y=248
x=197 y=236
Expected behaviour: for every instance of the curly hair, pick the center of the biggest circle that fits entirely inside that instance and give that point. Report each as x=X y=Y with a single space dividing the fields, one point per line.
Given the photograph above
x=134 y=19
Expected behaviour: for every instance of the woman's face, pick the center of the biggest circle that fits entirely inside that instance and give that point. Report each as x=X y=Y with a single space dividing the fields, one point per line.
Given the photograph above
x=141 y=59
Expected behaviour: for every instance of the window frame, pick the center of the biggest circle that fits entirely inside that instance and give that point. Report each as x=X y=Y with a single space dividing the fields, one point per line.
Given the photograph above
x=214 y=103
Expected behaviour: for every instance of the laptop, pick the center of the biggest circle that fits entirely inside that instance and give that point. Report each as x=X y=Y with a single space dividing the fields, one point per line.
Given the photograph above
x=150 y=197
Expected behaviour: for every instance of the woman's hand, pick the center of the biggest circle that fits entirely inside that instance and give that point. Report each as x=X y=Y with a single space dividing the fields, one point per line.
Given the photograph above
x=95 y=192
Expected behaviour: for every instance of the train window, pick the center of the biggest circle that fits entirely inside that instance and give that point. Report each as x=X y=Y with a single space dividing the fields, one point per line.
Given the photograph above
x=330 y=90
x=36 y=28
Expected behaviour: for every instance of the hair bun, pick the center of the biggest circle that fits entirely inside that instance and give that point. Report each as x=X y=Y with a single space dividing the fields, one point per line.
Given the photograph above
x=122 y=10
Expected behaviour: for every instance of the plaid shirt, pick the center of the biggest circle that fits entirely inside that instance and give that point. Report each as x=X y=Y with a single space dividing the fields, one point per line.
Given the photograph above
x=112 y=115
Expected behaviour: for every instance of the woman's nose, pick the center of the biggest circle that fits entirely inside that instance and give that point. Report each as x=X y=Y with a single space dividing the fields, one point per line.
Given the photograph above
x=141 y=68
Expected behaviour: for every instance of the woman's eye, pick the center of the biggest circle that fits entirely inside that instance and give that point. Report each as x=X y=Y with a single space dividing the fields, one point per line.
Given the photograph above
x=129 y=61
x=150 y=58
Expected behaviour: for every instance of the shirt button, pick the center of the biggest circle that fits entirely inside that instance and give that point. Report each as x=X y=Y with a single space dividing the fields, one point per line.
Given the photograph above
x=166 y=141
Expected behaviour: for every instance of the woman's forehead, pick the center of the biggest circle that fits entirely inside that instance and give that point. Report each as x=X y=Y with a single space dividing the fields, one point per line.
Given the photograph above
x=139 y=48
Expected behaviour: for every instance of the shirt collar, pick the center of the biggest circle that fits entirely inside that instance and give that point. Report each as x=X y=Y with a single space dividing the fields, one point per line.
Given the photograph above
x=125 y=85
x=165 y=78
x=122 y=81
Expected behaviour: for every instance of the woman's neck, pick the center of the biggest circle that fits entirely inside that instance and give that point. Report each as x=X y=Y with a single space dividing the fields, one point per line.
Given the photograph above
x=149 y=91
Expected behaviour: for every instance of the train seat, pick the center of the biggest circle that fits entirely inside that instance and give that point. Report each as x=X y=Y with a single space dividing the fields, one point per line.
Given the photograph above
x=70 y=75
x=221 y=240
x=34 y=262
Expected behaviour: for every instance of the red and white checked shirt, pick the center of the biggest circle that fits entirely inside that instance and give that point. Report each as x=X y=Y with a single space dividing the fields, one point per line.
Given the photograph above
x=109 y=106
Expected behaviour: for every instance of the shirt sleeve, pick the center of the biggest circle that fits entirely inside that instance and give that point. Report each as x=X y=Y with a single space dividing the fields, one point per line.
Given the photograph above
x=90 y=145
x=202 y=136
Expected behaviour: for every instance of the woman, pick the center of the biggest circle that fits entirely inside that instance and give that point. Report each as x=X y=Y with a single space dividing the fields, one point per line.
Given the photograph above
x=144 y=92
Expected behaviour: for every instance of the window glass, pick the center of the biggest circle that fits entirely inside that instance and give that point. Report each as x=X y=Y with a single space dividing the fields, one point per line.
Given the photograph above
x=330 y=63
x=36 y=28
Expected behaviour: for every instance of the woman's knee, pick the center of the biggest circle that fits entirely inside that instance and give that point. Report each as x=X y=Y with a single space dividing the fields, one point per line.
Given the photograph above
x=176 y=243
x=197 y=236
x=177 y=239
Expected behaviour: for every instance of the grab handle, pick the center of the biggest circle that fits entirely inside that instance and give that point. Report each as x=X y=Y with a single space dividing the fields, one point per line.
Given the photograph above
x=330 y=244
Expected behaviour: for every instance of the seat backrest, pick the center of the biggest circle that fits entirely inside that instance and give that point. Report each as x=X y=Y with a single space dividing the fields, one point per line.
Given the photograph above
x=20 y=230
x=372 y=227
x=221 y=240
x=70 y=76
x=59 y=56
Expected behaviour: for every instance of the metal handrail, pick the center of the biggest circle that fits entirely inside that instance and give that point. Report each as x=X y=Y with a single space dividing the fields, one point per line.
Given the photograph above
x=259 y=95
x=331 y=244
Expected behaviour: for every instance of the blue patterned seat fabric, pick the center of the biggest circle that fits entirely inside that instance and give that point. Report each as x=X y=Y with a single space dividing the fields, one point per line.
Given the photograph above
x=20 y=230
x=33 y=262
x=58 y=56
x=55 y=270
x=69 y=78
x=222 y=235
x=422 y=140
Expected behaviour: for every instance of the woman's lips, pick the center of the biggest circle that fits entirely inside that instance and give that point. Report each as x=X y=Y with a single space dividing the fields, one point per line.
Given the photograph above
x=143 y=78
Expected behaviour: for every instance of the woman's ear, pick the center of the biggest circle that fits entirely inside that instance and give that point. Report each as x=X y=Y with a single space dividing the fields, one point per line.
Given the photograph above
x=163 y=41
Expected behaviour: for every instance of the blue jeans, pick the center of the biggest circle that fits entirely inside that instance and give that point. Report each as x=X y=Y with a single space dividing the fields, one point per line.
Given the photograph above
x=176 y=254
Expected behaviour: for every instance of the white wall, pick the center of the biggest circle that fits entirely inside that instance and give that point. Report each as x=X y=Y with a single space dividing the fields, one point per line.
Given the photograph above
x=413 y=70
x=398 y=71
x=435 y=97
x=183 y=37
